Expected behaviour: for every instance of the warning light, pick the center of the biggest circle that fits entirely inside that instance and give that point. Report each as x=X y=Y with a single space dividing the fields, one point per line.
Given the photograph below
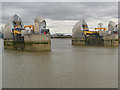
x=44 y=32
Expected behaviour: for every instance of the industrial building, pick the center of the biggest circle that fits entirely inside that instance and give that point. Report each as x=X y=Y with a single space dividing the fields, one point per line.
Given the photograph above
x=36 y=37
x=81 y=35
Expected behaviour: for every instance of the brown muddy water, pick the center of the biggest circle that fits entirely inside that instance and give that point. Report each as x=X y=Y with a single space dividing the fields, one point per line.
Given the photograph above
x=65 y=66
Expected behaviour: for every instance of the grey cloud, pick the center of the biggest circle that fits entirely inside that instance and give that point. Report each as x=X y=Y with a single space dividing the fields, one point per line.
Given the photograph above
x=60 y=10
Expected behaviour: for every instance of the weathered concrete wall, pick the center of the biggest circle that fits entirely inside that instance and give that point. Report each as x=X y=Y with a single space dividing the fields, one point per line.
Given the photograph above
x=78 y=41
x=115 y=43
x=8 y=44
x=37 y=38
x=33 y=42
x=107 y=43
x=111 y=36
x=109 y=40
x=37 y=42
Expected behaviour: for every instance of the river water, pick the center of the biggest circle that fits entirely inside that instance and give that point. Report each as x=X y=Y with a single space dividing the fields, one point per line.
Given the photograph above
x=65 y=66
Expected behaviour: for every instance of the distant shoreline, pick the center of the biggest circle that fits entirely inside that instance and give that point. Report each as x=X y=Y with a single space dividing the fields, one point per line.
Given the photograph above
x=62 y=37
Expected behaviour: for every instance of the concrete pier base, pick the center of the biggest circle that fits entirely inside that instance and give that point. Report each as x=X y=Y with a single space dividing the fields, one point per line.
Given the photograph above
x=78 y=41
x=33 y=42
x=8 y=43
x=114 y=42
x=111 y=42
x=37 y=42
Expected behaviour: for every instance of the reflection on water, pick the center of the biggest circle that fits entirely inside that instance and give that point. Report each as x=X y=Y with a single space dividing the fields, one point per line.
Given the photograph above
x=65 y=66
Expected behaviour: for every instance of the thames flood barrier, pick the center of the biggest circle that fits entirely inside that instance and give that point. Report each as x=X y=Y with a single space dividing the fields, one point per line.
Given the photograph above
x=28 y=37
x=81 y=35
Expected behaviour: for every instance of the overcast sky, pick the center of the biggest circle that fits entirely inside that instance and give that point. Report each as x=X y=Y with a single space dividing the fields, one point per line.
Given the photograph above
x=62 y=16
